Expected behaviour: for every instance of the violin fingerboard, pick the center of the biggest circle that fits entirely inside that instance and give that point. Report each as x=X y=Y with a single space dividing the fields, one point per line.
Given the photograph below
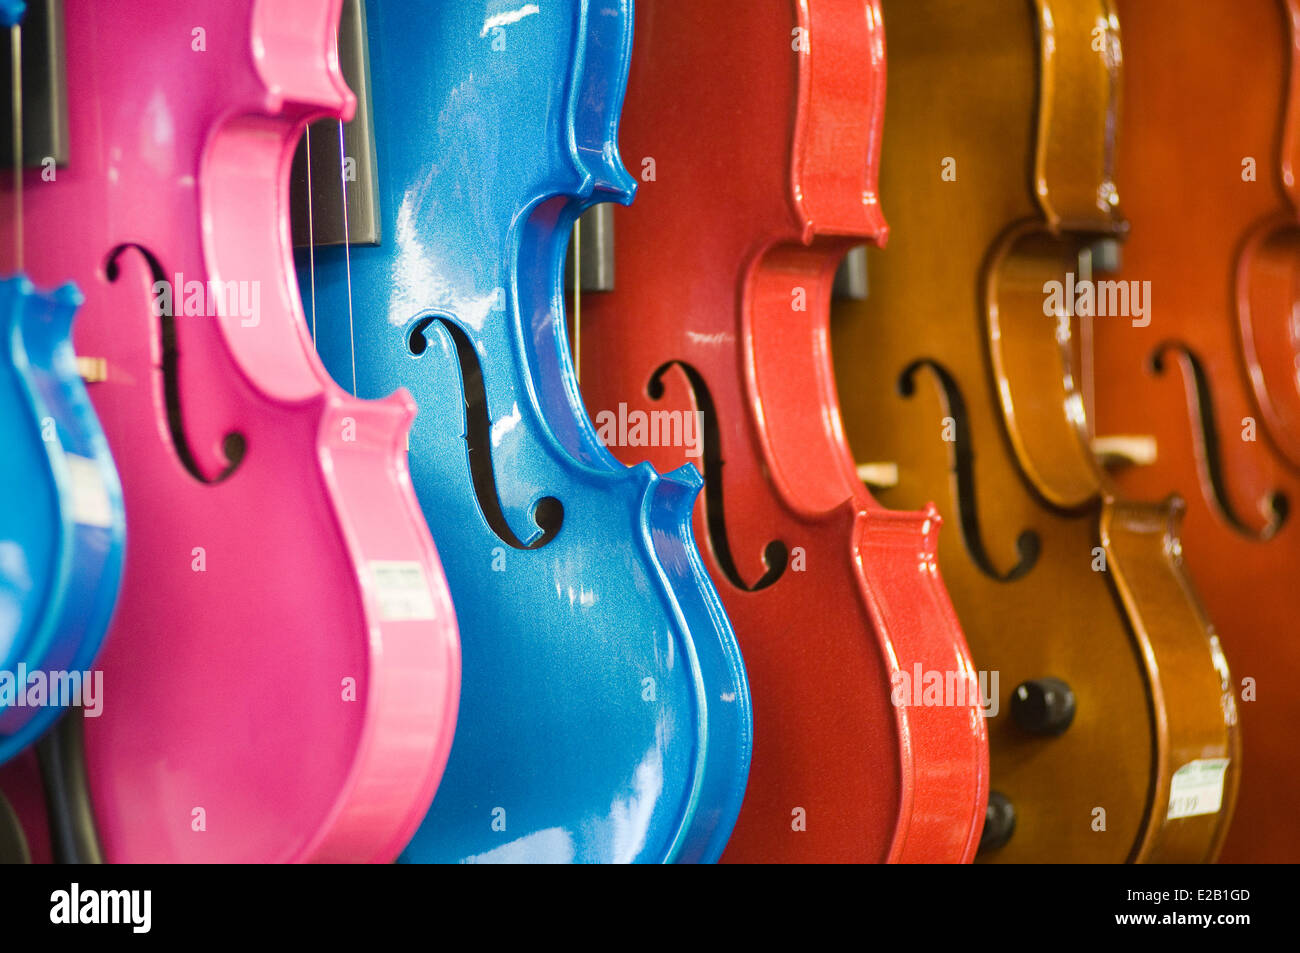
x=324 y=220
x=44 y=89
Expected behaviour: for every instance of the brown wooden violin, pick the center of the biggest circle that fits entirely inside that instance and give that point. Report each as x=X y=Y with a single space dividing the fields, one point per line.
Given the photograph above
x=997 y=168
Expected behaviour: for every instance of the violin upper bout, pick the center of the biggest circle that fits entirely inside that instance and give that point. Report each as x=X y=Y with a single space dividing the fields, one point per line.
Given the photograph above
x=1291 y=117
x=1079 y=89
x=840 y=113
x=606 y=63
x=288 y=40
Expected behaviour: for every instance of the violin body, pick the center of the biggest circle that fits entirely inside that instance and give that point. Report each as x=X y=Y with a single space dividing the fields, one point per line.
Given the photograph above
x=1215 y=220
x=62 y=527
x=604 y=711
x=281 y=673
x=954 y=369
x=719 y=315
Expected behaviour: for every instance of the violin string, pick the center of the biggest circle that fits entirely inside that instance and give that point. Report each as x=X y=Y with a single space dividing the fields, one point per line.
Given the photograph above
x=577 y=299
x=1086 y=381
x=16 y=43
x=347 y=254
x=311 y=237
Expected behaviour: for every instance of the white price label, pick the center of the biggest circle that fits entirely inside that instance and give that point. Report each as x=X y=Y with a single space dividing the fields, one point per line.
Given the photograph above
x=90 y=503
x=402 y=590
x=1197 y=788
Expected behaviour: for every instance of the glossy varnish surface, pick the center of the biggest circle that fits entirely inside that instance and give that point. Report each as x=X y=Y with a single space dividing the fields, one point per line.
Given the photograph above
x=264 y=702
x=1213 y=377
x=764 y=152
x=604 y=708
x=952 y=370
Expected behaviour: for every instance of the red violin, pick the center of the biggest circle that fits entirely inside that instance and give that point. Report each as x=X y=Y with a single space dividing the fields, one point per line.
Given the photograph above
x=756 y=131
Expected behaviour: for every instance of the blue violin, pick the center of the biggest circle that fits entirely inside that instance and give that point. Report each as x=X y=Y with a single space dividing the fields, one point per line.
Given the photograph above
x=62 y=526
x=605 y=713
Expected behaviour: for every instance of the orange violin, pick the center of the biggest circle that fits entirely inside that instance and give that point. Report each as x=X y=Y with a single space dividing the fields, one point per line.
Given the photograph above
x=1204 y=382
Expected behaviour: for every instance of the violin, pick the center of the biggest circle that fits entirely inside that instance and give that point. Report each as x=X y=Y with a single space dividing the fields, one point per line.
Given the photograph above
x=61 y=526
x=712 y=351
x=604 y=709
x=62 y=536
x=956 y=370
x=280 y=677
x=1205 y=382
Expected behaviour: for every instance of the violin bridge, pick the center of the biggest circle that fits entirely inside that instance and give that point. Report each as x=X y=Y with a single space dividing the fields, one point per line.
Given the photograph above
x=318 y=218
x=93 y=370
x=878 y=476
x=1125 y=450
x=44 y=91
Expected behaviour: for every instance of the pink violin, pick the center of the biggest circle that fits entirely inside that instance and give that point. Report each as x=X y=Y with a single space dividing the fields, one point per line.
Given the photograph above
x=282 y=674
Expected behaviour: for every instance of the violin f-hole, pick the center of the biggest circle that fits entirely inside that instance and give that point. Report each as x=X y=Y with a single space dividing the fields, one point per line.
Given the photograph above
x=548 y=513
x=775 y=553
x=233 y=445
x=962 y=458
x=1200 y=408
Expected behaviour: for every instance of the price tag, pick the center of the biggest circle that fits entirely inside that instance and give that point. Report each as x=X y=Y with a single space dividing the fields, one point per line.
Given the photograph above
x=1197 y=788
x=402 y=590
x=90 y=504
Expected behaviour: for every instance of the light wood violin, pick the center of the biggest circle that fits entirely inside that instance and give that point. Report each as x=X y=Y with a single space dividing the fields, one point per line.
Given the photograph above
x=1206 y=383
x=998 y=168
